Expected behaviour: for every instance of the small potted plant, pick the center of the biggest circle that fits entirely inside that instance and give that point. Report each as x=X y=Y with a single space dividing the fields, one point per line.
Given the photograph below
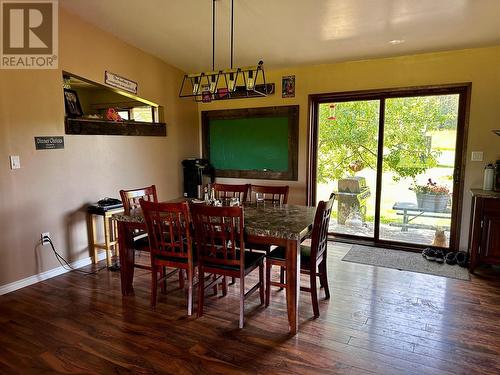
x=431 y=196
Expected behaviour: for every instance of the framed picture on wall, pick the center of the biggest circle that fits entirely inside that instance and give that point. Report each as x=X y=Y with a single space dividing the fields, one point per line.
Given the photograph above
x=72 y=104
x=288 y=87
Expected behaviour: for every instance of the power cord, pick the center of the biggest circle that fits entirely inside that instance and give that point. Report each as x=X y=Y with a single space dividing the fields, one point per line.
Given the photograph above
x=64 y=263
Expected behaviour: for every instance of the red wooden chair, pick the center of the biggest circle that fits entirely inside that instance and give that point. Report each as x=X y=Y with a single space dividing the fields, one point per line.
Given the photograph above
x=170 y=243
x=227 y=191
x=131 y=198
x=269 y=194
x=312 y=259
x=131 y=201
x=221 y=250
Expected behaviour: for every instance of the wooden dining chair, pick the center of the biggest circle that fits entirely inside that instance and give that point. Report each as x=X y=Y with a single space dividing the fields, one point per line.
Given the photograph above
x=312 y=259
x=269 y=194
x=170 y=244
x=131 y=201
x=226 y=191
x=131 y=198
x=221 y=250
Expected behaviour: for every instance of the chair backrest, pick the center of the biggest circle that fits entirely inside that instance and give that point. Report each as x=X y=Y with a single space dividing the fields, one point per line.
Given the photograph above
x=219 y=235
x=131 y=198
x=169 y=229
x=319 y=238
x=223 y=191
x=271 y=194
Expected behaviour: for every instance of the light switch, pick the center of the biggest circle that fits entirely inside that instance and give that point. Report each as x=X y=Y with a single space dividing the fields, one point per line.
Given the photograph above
x=477 y=156
x=15 y=162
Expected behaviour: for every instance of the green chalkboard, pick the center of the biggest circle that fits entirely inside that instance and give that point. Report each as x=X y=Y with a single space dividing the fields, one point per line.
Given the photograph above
x=252 y=142
x=249 y=144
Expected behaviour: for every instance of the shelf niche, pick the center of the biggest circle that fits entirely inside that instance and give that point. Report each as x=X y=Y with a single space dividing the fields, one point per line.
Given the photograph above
x=141 y=117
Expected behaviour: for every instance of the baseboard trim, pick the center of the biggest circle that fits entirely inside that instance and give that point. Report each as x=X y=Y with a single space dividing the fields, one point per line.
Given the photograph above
x=7 y=288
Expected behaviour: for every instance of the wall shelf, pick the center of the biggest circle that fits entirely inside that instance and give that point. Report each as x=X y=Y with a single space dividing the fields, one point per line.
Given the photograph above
x=102 y=127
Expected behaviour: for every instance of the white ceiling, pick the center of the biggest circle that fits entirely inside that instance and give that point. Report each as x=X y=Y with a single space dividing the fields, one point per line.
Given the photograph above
x=292 y=32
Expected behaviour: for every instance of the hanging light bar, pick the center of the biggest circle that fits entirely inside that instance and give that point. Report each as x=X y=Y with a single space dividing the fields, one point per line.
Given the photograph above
x=225 y=84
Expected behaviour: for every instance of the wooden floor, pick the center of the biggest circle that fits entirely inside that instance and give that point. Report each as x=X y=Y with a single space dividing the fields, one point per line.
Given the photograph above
x=378 y=320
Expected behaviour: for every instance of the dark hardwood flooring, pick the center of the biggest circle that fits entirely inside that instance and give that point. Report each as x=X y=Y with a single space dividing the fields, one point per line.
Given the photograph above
x=378 y=320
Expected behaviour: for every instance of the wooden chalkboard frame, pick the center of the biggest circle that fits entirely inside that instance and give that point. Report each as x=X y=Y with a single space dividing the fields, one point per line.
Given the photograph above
x=290 y=111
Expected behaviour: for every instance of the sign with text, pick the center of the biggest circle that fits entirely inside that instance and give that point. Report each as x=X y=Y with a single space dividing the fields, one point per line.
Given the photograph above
x=29 y=34
x=49 y=143
x=119 y=82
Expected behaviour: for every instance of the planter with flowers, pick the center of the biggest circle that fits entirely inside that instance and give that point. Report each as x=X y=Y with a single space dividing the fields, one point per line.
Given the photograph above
x=432 y=197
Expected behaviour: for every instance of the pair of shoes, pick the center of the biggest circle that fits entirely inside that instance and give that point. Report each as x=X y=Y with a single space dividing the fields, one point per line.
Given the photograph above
x=462 y=259
x=439 y=256
x=432 y=254
x=451 y=258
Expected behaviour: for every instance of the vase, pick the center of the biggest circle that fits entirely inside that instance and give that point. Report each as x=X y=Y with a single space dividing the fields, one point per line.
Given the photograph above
x=432 y=202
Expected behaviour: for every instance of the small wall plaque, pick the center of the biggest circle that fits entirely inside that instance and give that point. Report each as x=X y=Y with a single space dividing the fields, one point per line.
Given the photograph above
x=119 y=82
x=49 y=143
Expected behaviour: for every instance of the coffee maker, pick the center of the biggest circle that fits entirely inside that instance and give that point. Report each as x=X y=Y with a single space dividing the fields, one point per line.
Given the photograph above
x=198 y=173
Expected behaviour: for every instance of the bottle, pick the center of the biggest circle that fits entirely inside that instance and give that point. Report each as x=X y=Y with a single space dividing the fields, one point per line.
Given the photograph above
x=496 y=186
x=489 y=172
x=205 y=195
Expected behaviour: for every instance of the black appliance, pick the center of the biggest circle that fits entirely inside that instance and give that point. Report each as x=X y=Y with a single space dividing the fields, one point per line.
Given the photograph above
x=197 y=174
x=496 y=181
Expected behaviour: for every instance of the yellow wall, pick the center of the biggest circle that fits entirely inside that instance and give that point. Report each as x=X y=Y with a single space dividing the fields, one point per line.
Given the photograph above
x=49 y=191
x=479 y=66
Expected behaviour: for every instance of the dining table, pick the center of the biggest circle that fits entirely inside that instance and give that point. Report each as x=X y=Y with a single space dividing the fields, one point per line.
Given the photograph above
x=284 y=225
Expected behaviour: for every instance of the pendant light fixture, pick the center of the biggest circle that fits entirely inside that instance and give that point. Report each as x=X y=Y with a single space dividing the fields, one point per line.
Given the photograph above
x=229 y=83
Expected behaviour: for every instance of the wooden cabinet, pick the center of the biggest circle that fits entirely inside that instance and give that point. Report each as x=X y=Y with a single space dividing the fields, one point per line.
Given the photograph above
x=485 y=228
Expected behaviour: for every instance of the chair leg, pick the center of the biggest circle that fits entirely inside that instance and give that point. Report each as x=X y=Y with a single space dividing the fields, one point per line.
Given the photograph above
x=282 y=276
x=154 y=285
x=314 y=293
x=261 y=281
x=163 y=275
x=242 y=301
x=190 y=291
x=233 y=280
x=269 y=266
x=181 y=279
x=324 y=279
x=215 y=285
x=201 y=290
x=224 y=286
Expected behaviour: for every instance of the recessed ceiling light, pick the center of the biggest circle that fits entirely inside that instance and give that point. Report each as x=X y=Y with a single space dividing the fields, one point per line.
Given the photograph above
x=396 y=41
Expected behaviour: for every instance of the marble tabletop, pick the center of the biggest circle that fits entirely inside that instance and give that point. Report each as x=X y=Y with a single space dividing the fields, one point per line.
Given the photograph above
x=485 y=193
x=279 y=221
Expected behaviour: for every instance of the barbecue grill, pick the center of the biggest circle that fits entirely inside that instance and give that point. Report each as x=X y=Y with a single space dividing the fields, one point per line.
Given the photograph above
x=351 y=197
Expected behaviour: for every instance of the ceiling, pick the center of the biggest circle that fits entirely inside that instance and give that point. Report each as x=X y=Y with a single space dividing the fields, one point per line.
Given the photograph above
x=292 y=32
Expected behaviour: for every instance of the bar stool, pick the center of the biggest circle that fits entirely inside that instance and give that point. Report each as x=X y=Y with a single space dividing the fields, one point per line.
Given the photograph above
x=110 y=230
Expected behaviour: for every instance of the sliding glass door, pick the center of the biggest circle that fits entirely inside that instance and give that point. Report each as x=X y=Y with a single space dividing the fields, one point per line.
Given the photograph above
x=394 y=159
x=347 y=163
x=420 y=135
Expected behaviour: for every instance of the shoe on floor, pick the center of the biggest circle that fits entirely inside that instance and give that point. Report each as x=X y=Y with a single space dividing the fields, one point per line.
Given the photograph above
x=462 y=259
x=451 y=258
x=439 y=256
x=429 y=254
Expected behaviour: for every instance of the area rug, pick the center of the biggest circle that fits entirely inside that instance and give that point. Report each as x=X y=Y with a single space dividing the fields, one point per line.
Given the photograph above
x=403 y=261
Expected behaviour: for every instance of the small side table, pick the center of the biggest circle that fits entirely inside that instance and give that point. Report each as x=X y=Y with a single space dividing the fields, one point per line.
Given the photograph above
x=110 y=229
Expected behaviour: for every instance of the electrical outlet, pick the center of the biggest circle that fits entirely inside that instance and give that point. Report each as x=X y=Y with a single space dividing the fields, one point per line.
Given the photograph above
x=43 y=239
